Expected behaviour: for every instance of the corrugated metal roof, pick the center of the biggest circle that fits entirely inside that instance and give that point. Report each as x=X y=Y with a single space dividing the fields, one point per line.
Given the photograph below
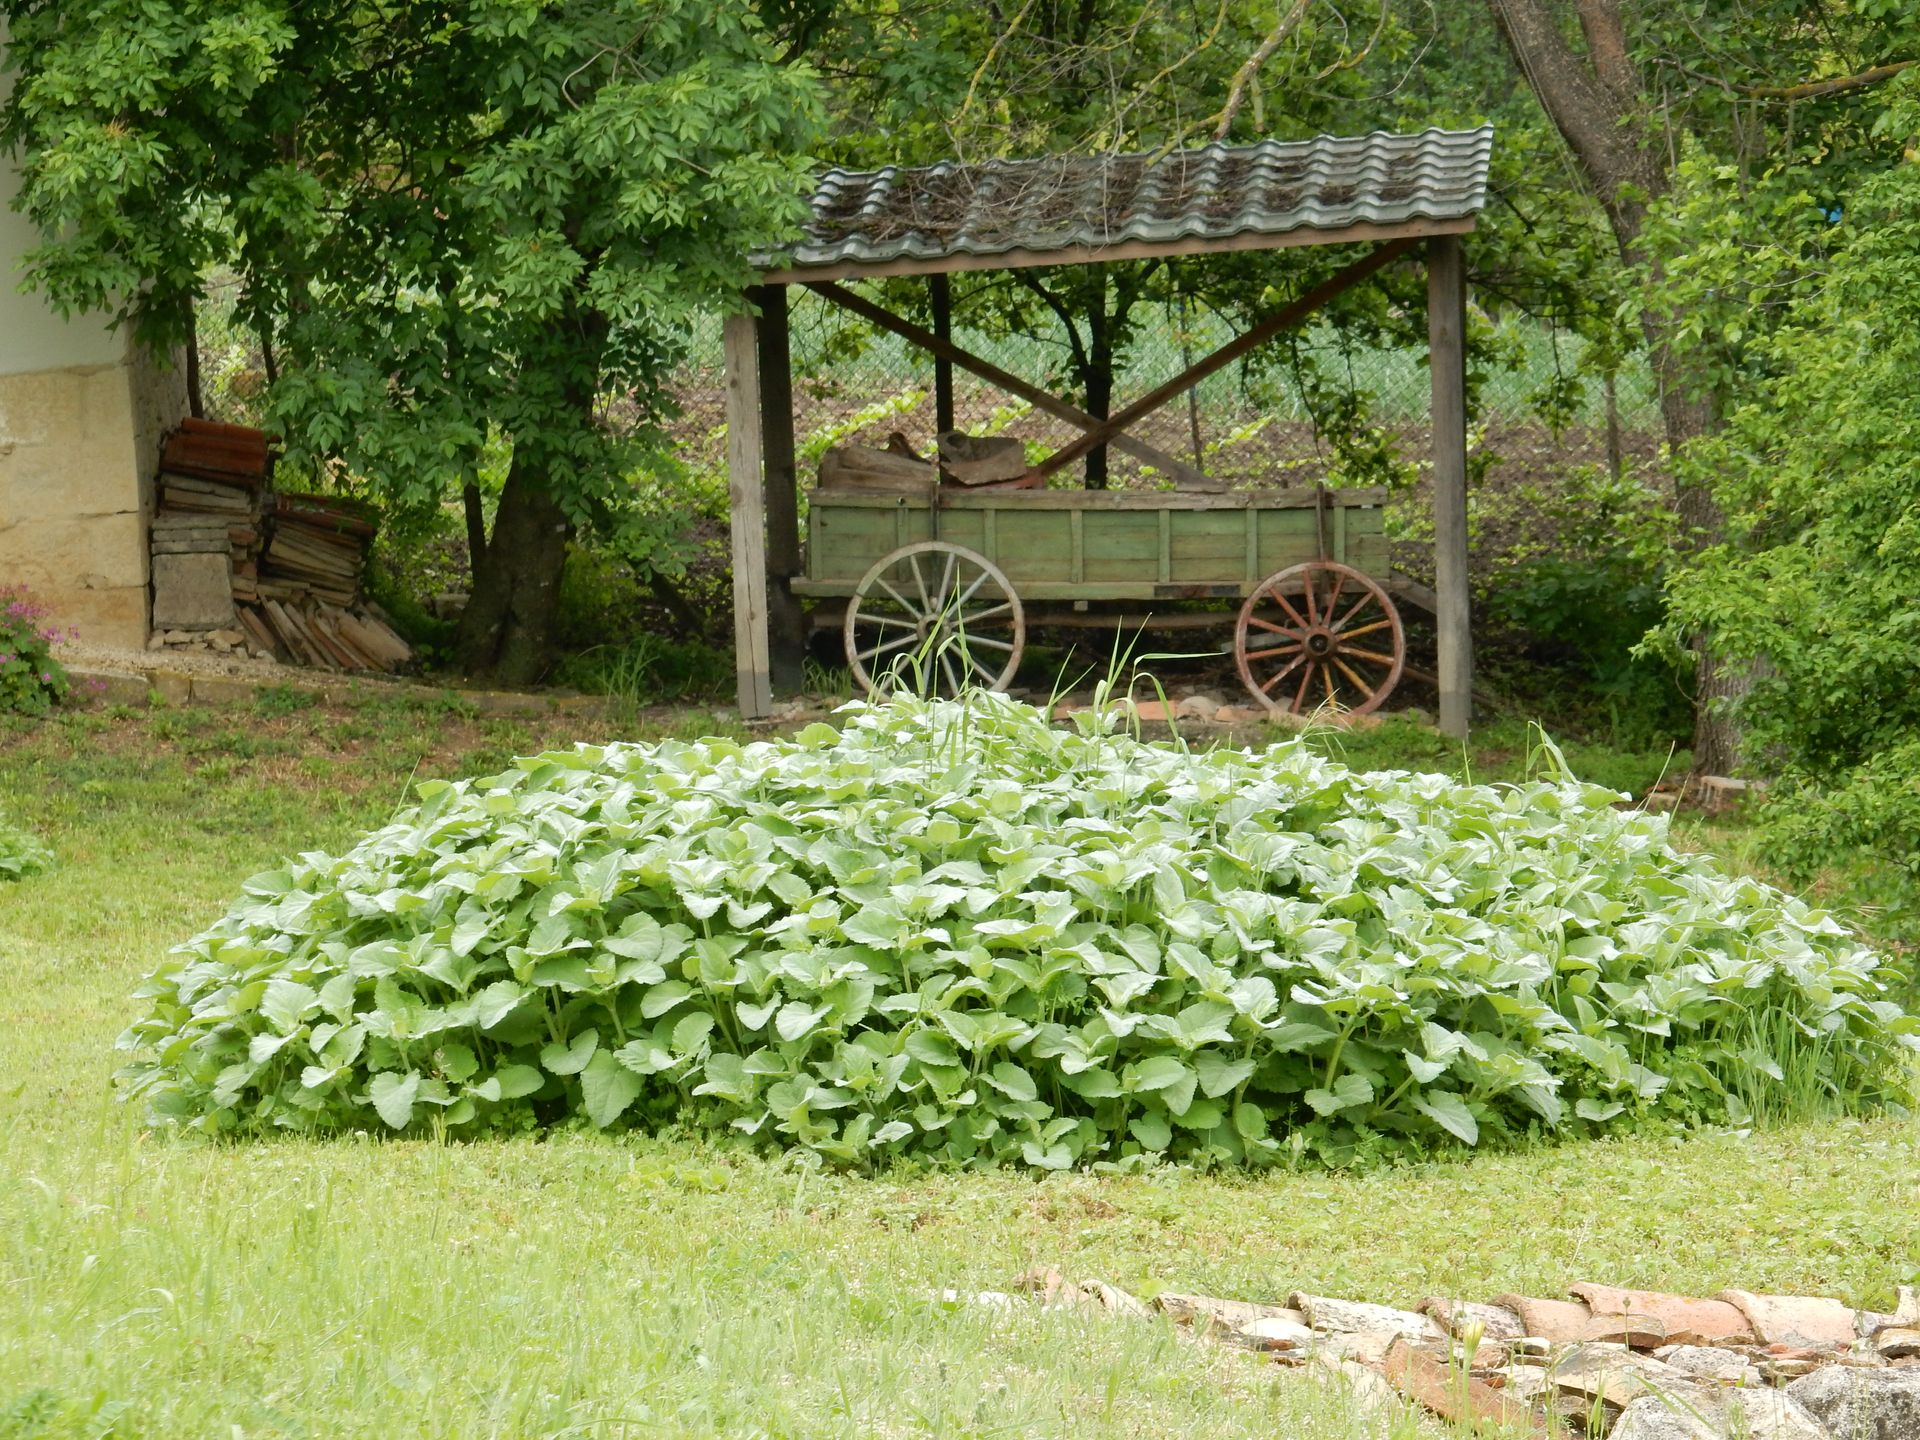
x=1216 y=192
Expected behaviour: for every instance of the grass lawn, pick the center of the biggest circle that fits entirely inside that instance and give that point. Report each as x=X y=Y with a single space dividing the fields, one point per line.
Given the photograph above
x=581 y=1286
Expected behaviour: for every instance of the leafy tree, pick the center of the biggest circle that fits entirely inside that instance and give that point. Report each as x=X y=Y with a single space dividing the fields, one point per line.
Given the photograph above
x=1629 y=87
x=1814 y=584
x=493 y=216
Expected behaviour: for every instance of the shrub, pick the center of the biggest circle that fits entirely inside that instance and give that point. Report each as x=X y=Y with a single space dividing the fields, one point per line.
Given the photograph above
x=953 y=932
x=21 y=853
x=31 y=680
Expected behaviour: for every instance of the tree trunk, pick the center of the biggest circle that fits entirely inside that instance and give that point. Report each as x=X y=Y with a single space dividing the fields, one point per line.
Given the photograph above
x=1099 y=377
x=1597 y=103
x=506 y=633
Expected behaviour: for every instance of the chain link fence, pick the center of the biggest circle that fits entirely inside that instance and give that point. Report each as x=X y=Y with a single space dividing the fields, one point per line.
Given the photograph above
x=1361 y=418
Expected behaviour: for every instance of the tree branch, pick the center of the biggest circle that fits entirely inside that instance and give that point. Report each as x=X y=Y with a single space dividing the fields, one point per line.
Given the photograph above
x=1237 y=91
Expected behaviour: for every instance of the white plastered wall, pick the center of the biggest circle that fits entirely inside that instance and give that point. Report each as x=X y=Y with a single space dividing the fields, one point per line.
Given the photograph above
x=81 y=416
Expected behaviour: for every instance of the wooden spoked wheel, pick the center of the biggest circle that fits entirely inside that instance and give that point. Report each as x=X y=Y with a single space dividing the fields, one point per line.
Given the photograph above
x=1319 y=635
x=934 y=618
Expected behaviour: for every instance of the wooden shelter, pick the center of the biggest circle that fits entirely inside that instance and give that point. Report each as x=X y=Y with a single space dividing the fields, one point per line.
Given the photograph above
x=1399 y=196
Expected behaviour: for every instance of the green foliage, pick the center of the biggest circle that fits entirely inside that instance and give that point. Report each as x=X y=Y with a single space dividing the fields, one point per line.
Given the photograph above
x=648 y=670
x=1814 y=587
x=450 y=223
x=1572 y=578
x=22 y=853
x=31 y=680
x=954 y=932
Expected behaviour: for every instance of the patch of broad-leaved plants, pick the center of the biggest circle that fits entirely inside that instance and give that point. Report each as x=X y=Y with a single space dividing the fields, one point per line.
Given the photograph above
x=953 y=932
x=22 y=853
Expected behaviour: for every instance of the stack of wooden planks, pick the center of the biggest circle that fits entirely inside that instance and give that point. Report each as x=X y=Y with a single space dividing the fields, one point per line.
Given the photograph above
x=296 y=561
x=327 y=637
x=211 y=479
x=317 y=546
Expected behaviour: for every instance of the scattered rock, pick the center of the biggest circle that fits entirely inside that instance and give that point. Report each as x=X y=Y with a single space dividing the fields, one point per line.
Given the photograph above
x=1652 y=1418
x=1274 y=1332
x=1363 y=1347
x=1434 y=1385
x=171 y=686
x=1358 y=1317
x=1056 y=1292
x=1770 y=1415
x=1802 y=1321
x=1372 y=1395
x=1458 y=1317
x=1204 y=1312
x=1112 y=1298
x=1862 y=1404
x=1898 y=1343
x=1570 y=1322
x=1710 y=1363
x=1685 y=1320
x=192 y=590
x=157 y=641
x=1905 y=1314
x=1601 y=1371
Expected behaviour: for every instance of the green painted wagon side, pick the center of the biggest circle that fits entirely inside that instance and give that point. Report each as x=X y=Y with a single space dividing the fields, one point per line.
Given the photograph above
x=1102 y=545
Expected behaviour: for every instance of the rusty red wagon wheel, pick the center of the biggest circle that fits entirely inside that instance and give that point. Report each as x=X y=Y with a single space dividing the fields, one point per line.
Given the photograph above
x=1319 y=635
x=934 y=618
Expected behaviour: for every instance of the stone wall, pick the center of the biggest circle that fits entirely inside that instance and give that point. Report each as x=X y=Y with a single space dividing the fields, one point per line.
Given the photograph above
x=78 y=450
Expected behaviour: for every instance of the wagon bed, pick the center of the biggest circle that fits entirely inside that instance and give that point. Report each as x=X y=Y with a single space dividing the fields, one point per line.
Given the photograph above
x=965 y=572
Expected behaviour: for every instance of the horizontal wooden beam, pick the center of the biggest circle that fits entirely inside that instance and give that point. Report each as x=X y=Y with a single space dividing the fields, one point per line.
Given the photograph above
x=1418 y=229
x=1013 y=501
x=1282 y=319
x=1006 y=380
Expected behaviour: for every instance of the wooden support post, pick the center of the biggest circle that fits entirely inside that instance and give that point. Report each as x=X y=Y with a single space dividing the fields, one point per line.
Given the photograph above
x=1446 y=349
x=787 y=626
x=746 y=498
x=940 y=294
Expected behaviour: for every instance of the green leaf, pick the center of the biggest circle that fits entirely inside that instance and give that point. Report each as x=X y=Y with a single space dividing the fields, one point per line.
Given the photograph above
x=690 y=1033
x=1152 y=1131
x=931 y=1047
x=571 y=1058
x=1174 y=1081
x=1450 y=1113
x=1011 y=1080
x=286 y=1002
x=1218 y=1074
x=393 y=1096
x=662 y=998
x=796 y=1018
x=1348 y=1091
x=494 y=1003
x=608 y=1088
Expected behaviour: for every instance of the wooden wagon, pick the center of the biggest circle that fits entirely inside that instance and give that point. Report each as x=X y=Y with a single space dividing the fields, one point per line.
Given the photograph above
x=1298 y=562
x=941 y=586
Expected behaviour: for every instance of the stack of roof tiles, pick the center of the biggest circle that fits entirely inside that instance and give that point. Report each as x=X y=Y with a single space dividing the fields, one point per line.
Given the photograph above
x=293 y=568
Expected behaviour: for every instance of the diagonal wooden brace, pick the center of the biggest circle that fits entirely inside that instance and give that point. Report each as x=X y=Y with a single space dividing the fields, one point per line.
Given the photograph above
x=1003 y=379
x=1106 y=431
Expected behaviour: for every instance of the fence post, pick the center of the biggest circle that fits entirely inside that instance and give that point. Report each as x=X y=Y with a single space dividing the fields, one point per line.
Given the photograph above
x=1446 y=349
